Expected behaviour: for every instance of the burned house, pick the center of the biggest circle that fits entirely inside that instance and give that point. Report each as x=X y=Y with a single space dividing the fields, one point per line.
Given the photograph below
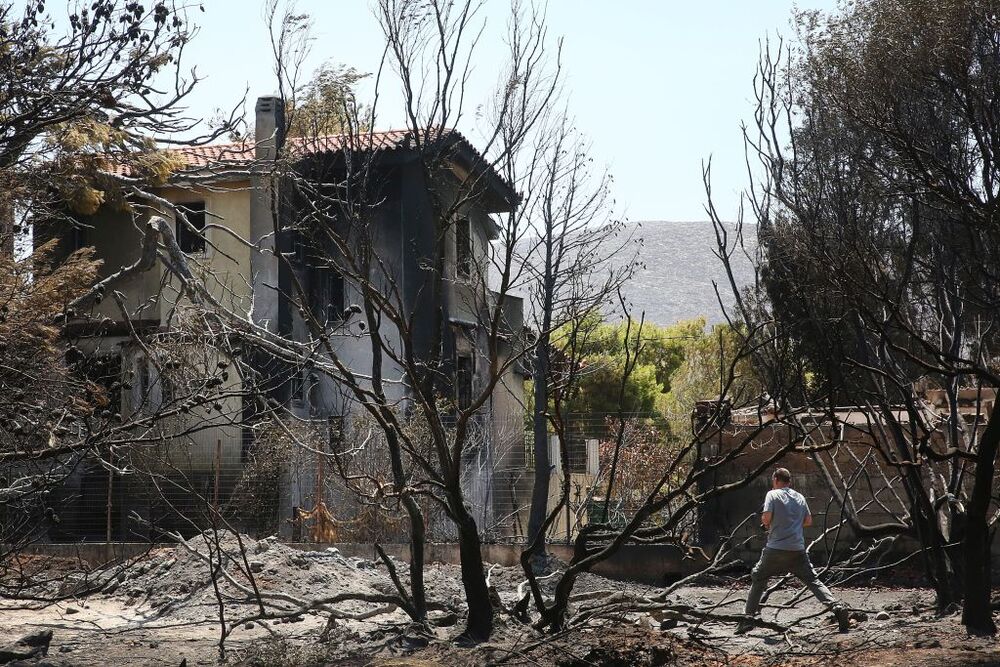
x=230 y=200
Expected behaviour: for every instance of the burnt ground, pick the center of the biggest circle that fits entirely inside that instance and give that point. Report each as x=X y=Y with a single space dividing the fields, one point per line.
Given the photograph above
x=164 y=609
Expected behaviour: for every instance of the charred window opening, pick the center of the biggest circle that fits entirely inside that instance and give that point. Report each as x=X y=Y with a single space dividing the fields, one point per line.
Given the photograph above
x=327 y=293
x=464 y=373
x=191 y=240
x=463 y=248
x=105 y=371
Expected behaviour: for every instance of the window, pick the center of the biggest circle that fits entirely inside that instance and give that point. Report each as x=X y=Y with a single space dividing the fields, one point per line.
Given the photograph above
x=189 y=240
x=463 y=381
x=328 y=294
x=463 y=248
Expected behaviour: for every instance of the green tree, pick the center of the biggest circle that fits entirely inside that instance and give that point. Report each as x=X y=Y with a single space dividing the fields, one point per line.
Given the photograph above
x=700 y=375
x=602 y=365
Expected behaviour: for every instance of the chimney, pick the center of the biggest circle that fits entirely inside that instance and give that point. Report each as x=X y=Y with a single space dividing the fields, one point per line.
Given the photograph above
x=269 y=125
x=269 y=128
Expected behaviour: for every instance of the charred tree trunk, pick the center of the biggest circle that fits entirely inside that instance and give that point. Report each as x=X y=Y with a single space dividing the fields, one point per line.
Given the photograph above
x=414 y=514
x=977 y=612
x=418 y=537
x=542 y=467
x=937 y=559
x=479 y=625
x=540 y=376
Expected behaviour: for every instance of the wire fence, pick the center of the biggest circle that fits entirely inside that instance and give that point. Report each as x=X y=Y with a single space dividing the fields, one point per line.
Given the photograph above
x=329 y=483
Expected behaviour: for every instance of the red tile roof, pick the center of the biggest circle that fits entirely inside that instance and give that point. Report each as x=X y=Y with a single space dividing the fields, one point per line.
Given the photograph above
x=241 y=154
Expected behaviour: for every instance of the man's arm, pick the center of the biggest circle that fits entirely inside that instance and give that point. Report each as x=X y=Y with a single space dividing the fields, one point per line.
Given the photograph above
x=766 y=514
x=808 y=521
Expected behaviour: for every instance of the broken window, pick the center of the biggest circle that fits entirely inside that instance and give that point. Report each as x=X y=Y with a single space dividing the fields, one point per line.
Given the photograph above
x=192 y=240
x=463 y=248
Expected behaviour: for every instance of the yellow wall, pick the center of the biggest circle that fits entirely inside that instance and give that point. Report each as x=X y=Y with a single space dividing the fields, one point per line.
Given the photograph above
x=225 y=266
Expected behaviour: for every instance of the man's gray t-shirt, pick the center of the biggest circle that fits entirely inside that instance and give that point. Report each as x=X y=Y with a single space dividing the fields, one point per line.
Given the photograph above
x=788 y=510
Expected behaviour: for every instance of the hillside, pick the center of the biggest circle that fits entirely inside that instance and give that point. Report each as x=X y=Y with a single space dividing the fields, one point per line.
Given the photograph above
x=680 y=265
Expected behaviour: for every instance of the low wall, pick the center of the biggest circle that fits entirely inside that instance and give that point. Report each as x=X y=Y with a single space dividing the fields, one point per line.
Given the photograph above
x=649 y=564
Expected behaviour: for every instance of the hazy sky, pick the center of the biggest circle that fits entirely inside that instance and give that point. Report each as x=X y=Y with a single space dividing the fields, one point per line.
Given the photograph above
x=658 y=85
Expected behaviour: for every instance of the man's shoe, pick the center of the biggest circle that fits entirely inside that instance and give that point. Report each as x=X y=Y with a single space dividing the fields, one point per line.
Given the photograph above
x=843 y=618
x=744 y=627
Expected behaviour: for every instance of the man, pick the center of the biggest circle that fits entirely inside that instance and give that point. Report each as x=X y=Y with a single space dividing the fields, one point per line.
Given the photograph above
x=785 y=515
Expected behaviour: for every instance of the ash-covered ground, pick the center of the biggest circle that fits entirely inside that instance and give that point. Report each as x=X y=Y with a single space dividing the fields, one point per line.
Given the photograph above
x=167 y=607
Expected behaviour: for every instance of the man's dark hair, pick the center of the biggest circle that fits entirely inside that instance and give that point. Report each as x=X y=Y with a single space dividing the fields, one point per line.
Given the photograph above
x=782 y=475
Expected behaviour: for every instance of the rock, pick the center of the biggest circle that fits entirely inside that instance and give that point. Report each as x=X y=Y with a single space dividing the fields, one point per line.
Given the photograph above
x=256 y=566
x=248 y=625
x=882 y=616
x=154 y=644
x=29 y=646
x=668 y=624
x=927 y=643
x=72 y=610
x=65 y=648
